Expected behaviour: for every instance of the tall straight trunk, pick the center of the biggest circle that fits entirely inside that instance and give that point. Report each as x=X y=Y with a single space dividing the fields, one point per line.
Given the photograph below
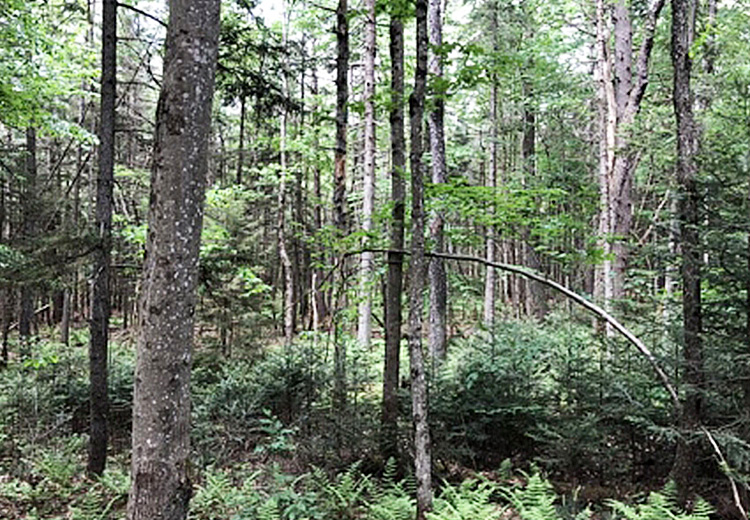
x=342 y=116
x=28 y=229
x=339 y=178
x=241 y=147
x=160 y=474
x=288 y=271
x=419 y=399
x=438 y=282
x=100 y=276
x=318 y=296
x=490 y=282
x=683 y=27
x=394 y=284
x=364 y=331
x=535 y=295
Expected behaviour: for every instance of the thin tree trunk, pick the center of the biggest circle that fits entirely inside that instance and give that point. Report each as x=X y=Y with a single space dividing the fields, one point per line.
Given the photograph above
x=28 y=230
x=288 y=271
x=419 y=398
x=100 y=277
x=339 y=179
x=160 y=476
x=394 y=284
x=364 y=331
x=490 y=283
x=438 y=282
x=241 y=147
x=683 y=27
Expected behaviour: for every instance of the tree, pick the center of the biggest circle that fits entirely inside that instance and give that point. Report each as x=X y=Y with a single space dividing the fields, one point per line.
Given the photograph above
x=100 y=297
x=394 y=283
x=367 y=259
x=160 y=477
x=683 y=35
x=419 y=399
x=620 y=90
x=438 y=281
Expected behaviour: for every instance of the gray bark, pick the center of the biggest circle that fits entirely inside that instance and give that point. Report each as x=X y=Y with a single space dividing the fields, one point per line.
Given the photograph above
x=100 y=278
x=161 y=485
x=438 y=281
x=364 y=331
x=419 y=403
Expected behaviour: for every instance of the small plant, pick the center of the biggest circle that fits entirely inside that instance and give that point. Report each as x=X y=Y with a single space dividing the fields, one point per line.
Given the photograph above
x=661 y=505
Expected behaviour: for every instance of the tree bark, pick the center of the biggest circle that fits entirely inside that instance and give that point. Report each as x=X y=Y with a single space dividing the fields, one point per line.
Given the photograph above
x=683 y=29
x=490 y=284
x=419 y=399
x=339 y=179
x=288 y=271
x=161 y=486
x=28 y=229
x=241 y=147
x=367 y=266
x=100 y=277
x=621 y=90
x=394 y=285
x=438 y=282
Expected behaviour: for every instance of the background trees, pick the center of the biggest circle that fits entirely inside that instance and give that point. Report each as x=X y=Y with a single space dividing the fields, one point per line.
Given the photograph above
x=560 y=125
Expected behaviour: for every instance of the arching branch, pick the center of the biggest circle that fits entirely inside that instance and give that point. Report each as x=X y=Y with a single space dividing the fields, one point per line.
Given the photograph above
x=590 y=306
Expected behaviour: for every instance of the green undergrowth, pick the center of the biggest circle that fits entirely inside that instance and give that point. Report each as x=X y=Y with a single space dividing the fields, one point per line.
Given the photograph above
x=55 y=488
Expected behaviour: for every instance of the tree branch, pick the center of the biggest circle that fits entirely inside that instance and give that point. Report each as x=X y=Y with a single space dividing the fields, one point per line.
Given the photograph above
x=142 y=13
x=644 y=57
x=592 y=307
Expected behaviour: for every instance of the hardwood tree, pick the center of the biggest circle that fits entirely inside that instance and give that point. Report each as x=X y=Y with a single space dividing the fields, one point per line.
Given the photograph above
x=394 y=281
x=438 y=279
x=419 y=398
x=160 y=476
x=367 y=259
x=100 y=282
x=689 y=218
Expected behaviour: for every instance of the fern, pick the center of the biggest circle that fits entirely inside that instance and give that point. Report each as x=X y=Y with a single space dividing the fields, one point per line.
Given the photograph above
x=469 y=501
x=535 y=501
x=661 y=505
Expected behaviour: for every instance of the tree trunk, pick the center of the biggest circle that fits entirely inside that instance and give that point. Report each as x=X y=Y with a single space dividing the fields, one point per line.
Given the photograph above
x=422 y=449
x=28 y=230
x=683 y=26
x=241 y=147
x=288 y=271
x=161 y=485
x=490 y=283
x=339 y=179
x=621 y=90
x=100 y=277
x=364 y=331
x=394 y=284
x=438 y=282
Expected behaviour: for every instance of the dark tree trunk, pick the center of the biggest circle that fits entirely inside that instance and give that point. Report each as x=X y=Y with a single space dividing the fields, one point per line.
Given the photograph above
x=28 y=230
x=161 y=486
x=339 y=177
x=342 y=116
x=241 y=147
x=438 y=282
x=419 y=398
x=394 y=285
x=100 y=276
x=683 y=26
